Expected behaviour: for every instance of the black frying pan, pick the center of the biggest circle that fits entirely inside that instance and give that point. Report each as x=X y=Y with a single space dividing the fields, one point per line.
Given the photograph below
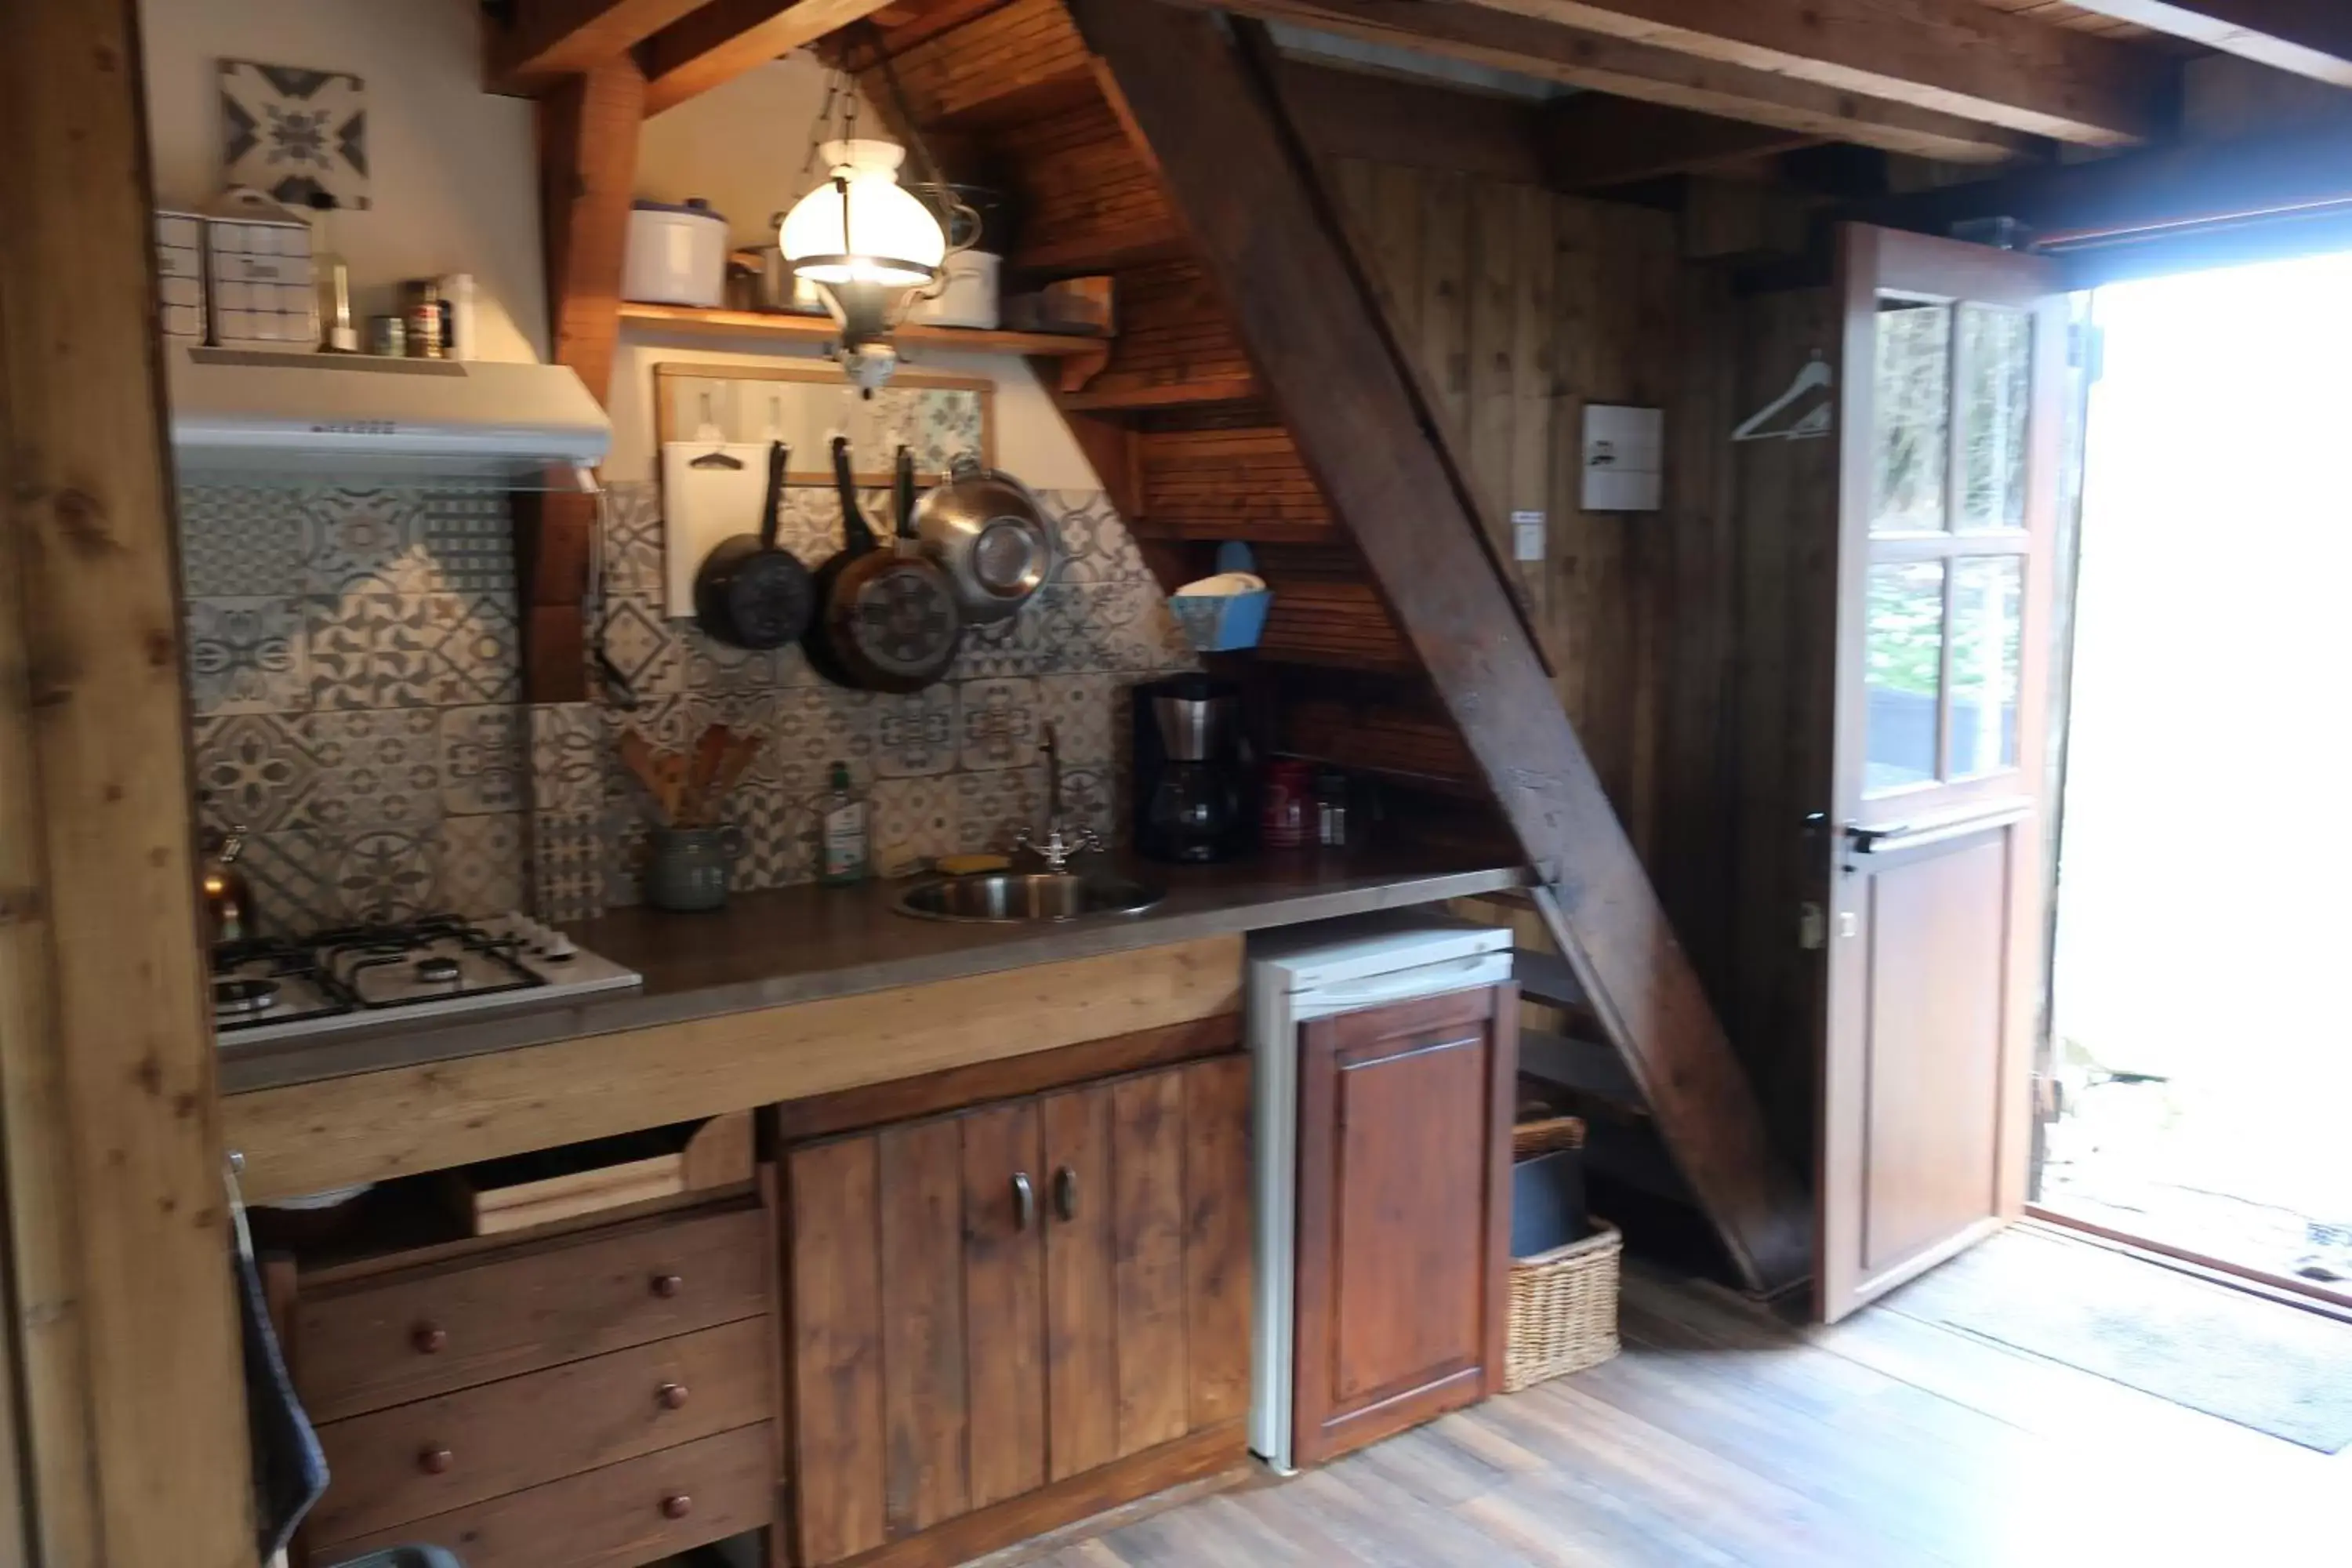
x=751 y=591
x=857 y=540
x=889 y=617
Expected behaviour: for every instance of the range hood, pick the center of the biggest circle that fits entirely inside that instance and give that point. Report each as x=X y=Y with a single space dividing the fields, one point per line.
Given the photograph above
x=359 y=421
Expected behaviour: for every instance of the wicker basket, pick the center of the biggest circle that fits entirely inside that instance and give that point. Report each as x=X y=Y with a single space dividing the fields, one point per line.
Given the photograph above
x=1564 y=1301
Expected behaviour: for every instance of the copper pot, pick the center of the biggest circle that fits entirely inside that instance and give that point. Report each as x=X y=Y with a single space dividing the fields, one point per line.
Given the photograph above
x=228 y=896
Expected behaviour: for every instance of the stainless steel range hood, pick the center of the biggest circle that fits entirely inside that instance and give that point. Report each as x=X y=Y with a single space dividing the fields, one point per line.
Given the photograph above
x=356 y=421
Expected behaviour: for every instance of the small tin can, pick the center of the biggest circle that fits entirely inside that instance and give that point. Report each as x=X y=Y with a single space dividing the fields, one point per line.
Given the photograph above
x=388 y=335
x=425 y=319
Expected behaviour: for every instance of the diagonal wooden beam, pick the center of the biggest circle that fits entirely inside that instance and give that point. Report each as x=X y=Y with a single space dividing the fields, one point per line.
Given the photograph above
x=550 y=40
x=1592 y=140
x=2308 y=37
x=1583 y=59
x=1201 y=103
x=727 y=37
x=1388 y=119
x=1956 y=56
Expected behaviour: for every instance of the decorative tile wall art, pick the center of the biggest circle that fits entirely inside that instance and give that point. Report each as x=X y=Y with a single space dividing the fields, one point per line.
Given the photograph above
x=293 y=133
x=353 y=664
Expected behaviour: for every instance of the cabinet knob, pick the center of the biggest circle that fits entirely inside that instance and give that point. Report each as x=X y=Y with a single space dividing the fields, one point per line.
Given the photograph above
x=435 y=1461
x=430 y=1339
x=672 y=1395
x=667 y=1286
x=678 y=1505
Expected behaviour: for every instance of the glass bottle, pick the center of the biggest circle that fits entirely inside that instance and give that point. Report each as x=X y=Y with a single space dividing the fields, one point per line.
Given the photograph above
x=842 y=853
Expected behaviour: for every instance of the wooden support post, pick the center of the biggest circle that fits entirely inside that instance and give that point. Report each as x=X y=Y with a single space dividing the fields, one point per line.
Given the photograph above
x=117 y=1226
x=588 y=130
x=1197 y=98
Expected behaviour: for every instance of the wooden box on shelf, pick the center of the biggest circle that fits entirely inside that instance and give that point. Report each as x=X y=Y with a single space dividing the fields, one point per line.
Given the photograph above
x=528 y=1190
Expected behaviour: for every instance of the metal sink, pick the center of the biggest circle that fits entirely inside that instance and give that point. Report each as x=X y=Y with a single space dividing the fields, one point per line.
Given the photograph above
x=1008 y=896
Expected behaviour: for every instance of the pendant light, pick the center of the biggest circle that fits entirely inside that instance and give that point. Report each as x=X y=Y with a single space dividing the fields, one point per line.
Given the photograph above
x=865 y=241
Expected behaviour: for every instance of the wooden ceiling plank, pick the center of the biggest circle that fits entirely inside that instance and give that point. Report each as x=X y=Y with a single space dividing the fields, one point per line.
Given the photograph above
x=1955 y=56
x=1389 y=119
x=1592 y=142
x=1510 y=42
x=551 y=39
x=2308 y=37
x=727 y=37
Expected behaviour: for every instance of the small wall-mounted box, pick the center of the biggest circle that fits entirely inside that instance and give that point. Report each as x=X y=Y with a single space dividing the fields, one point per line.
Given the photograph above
x=1625 y=458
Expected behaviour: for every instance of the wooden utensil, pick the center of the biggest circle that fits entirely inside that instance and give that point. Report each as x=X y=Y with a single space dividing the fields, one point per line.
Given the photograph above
x=644 y=763
x=669 y=786
x=738 y=762
x=709 y=752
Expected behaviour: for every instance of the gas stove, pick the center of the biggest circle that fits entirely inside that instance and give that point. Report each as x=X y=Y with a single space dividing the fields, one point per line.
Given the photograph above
x=430 y=967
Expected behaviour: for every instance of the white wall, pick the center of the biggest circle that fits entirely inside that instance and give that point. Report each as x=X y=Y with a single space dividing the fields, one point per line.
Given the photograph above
x=455 y=186
x=452 y=174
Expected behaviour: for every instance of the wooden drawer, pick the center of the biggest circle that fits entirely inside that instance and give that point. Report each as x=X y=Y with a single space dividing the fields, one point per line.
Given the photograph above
x=414 y=1461
x=383 y=1342
x=618 y=1517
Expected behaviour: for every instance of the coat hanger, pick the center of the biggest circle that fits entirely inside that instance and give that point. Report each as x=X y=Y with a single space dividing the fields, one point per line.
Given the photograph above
x=1816 y=376
x=719 y=457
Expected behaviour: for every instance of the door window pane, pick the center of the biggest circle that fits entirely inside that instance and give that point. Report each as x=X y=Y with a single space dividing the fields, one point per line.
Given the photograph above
x=1997 y=364
x=1988 y=609
x=1905 y=672
x=1915 y=400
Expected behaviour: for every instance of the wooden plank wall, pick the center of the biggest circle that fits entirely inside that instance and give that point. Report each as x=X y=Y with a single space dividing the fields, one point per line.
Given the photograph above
x=1525 y=305
x=1690 y=646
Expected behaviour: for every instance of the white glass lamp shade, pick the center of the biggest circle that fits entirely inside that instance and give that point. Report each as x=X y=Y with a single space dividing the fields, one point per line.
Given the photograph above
x=861 y=226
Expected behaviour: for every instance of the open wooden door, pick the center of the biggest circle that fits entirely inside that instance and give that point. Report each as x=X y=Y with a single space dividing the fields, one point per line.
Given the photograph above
x=1951 y=409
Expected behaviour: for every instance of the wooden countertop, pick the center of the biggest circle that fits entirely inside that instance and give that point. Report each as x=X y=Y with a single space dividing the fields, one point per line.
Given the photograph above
x=808 y=944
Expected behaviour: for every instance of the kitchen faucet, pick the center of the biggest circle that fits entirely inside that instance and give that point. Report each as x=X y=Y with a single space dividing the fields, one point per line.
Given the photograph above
x=1062 y=842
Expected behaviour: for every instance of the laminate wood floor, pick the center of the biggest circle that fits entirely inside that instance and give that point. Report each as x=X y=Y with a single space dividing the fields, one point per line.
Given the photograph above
x=1723 y=1436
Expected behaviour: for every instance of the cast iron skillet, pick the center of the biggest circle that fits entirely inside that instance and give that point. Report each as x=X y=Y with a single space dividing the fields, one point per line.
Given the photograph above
x=750 y=591
x=889 y=619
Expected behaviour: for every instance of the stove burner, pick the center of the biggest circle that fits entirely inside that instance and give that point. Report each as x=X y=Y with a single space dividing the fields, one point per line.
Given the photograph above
x=439 y=970
x=243 y=995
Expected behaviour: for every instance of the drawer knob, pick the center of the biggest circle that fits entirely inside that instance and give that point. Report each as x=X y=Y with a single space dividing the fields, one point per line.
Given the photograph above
x=430 y=1339
x=672 y=1395
x=435 y=1461
x=667 y=1286
x=678 y=1505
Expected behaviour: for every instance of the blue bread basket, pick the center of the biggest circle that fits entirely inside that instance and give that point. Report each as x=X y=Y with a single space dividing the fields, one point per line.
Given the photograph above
x=1224 y=623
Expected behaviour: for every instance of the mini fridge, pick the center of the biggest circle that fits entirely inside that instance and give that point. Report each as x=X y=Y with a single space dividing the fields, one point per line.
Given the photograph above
x=1296 y=976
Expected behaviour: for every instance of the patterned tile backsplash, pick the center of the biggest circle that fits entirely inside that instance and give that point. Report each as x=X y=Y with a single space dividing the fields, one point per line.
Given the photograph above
x=354 y=667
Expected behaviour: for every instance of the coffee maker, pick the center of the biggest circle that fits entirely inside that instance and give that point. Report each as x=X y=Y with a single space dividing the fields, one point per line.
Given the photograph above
x=1191 y=799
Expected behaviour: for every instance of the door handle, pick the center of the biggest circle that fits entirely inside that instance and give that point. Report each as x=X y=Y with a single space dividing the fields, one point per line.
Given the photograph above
x=1066 y=1194
x=1024 y=1200
x=1882 y=839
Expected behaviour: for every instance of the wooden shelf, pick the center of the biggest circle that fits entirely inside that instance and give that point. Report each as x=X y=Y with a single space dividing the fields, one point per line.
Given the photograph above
x=698 y=322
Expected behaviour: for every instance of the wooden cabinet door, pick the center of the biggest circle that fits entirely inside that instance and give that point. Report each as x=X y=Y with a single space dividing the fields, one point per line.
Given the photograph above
x=1147 y=1260
x=917 y=1355
x=1403 y=1215
x=1005 y=1299
x=986 y=1303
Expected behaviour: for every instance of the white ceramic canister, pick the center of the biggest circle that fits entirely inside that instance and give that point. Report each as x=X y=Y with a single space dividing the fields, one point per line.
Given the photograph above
x=677 y=255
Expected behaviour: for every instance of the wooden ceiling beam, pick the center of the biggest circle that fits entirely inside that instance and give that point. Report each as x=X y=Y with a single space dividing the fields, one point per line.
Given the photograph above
x=1511 y=42
x=1592 y=142
x=2308 y=37
x=550 y=40
x=725 y=38
x=1956 y=56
